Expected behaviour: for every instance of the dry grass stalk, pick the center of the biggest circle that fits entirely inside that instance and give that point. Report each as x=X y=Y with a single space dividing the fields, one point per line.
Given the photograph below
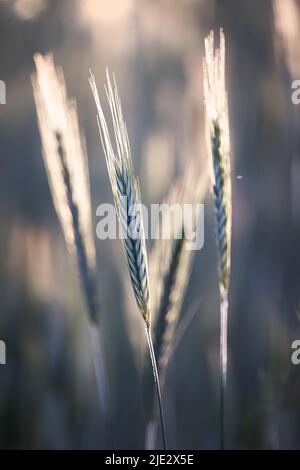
x=219 y=152
x=65 y=159
x=127 y=200
x=170 y=267
x=175 y=260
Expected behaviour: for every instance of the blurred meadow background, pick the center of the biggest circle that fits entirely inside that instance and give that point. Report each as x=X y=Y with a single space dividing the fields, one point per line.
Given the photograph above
x=48 y=397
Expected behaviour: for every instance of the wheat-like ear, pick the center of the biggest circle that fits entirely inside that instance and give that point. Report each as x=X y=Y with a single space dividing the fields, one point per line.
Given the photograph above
x=217 y=128
x=127 y=200
x=66 y=164
x=219 y=159
x=126 y=195
x=65 y=159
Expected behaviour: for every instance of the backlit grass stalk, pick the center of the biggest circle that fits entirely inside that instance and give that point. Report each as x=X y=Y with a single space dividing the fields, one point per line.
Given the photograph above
x=127 y=200
x=175 y=258
x=66 y=164
x=170 y=266
x=219 y=159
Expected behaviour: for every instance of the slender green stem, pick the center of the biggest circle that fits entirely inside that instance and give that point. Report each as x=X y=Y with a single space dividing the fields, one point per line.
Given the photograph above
x=222 y=431
x=156 y=380
x=223 y=361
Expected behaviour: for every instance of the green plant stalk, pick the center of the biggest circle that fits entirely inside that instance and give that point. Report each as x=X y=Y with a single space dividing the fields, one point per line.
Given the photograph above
x=127 y=198
x=221 y=219
x=223 y=360
x=162 y=342
x=218 y=141
x=157 y=385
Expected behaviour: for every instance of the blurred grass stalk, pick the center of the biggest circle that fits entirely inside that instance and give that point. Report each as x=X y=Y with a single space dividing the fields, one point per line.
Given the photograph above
x=218 y=144
x=170 y=267
x=127 y=199
x=65 y=160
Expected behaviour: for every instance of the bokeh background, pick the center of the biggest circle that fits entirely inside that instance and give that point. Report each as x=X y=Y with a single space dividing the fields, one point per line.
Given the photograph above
x=48 y=395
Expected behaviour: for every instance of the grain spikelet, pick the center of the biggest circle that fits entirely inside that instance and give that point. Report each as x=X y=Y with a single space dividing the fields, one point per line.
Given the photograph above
x=218 y=148
x=219 y=159
x=65 y=159
x=126 y=195
x=66 y=164
x=127 y=199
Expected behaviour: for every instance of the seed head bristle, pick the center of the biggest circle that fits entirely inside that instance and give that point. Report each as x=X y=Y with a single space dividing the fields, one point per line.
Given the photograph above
x=65 y=159
x=126 y=193
x=218 y=148
x=217 y=128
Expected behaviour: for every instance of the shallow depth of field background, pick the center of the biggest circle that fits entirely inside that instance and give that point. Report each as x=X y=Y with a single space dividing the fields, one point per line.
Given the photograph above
x=48 y=394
